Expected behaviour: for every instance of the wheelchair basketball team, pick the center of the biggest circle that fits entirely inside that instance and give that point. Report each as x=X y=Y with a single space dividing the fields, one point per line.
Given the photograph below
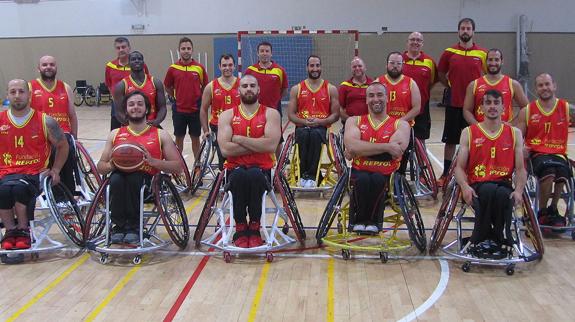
x=507 y=163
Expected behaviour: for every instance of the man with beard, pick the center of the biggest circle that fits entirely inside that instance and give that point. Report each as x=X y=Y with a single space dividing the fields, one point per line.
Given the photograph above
x=139 y=80
x=52 y=97
x=490 y=152
x=545 y=126
x=161 y=154
x=509 y=88
x=458 y=66
x=313 y=107
x=376 y=143
x=248 y=135
x=26 y=136
x=352 y=91
x=185 y=81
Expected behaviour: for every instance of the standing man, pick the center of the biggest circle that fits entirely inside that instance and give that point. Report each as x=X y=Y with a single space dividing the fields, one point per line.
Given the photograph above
x=313 y=107
x=52 y=96
x=494 y=79
x=185 y=81
x=458 y=66
x=352 y=91
x=422 y=69
x=139 y=80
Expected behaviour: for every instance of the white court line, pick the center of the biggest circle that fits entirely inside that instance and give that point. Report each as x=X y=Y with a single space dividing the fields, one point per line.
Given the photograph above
x=439 y=289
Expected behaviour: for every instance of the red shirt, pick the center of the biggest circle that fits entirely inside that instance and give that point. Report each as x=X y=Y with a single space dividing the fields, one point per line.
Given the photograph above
x=491 y=158
x=147 y=87
x=462 y=67
x=547 y=132
x=223 y=98
x=149 y=138
x=252 y=126
x=52 y=101
x=352 y=97
x=115 y=72
x=504 y=86
x=376 y=134
x=188 y=81
x=272 y=82
x=398 y=95
x=312 y=103
x=423 y=71
x=25 y=149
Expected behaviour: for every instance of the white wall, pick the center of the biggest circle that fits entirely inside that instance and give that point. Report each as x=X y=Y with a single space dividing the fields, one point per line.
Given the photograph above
x=115 y=17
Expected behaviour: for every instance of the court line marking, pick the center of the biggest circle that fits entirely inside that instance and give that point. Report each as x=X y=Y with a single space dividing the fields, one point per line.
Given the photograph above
x=330 y=290
x=49 y=288
x=434 y=158
x=437 y=293
x=259 y=292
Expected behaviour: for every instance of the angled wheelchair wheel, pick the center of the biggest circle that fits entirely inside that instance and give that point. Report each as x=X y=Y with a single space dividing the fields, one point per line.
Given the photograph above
x=201 y=164
x=208 y=210
x=450 y=172
x=427 y=176
x=332 y=209
x=444 y=217
x=90 y=96
x=96 y=218
x=290 y=205
x=285 y=153
x=410 y=210
x=172 y=211
x=532 y=225
x=88 y=168
x=65 y=211
x=78 y=96
x=182 y=180
x=337 y=152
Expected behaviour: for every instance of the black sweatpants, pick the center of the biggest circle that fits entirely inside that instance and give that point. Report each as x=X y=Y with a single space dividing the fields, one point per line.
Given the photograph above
x=493 y=212
x=369 y=193
x=309 y=140
x=247 y=186
x=125 y=198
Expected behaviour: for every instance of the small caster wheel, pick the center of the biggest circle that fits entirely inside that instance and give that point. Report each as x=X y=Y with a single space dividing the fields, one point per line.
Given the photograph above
x=345 y=254
x=227 y=257
x=104 y=259
x=34 y=256
x=137 y=260
x=11 y=258
x=269 y=257
x=466 y=267
x=384 y=257
x=339 y=228
x=510 y=269
x=285 y=228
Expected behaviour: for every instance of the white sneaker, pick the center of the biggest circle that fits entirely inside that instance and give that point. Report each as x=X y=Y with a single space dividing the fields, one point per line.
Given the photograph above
x=371 y=229
x=302 y=182
x=358 y=227
x=310 y=184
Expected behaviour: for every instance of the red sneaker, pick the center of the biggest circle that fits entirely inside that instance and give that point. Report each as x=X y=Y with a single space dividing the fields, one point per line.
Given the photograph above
x=23 y=240
x=255 y=239
x=241 y=236
x=9 y=241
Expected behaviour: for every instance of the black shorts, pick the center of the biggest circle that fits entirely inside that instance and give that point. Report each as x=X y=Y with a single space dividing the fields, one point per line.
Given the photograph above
x=545 y=165
x=18 y=188
x=454 y=124
x=422 y=126
x=183 y=121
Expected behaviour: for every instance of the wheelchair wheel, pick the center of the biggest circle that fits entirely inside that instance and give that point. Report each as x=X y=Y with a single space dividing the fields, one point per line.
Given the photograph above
x=337 y=152
x=426 y=175
x=183 y=180
x=444 y=217
x=411 y=214
x=65 y=211
x=207 y=211
x=532 y=225
x=88 y=168
x=332 y=209
x=90 y=96
x=172 y=211
x=451 y=171
x=285 y=153
x=96 y=218
x=78 y=96
x=201 y=164
x=290 y=205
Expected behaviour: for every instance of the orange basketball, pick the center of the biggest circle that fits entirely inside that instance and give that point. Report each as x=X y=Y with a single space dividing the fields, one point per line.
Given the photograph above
x=128 y=157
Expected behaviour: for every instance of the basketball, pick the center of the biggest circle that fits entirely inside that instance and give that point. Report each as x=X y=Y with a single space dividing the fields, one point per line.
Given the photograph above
x=128 y=157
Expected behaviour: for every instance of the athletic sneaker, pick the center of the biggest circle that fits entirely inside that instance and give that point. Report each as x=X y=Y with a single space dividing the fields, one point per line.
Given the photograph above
x=131 y=237
x=255 y=237
x=310 y=183
x=358 y=228
x=241 y=235
x=117 y=235
x=302 y=182
x=22 y=239
x=371 y=229
x=441 y=181
x=544 y=218
x=9 y=240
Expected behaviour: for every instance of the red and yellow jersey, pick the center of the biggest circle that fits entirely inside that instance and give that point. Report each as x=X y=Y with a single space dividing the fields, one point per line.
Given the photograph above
x=380 y=133
x=149 y=138
x=188 y=81
x=223 y=98
x=504 y=86
x=25 y=148
x=491 y=158
x=115 y=72
x=52 y=101
x=398 y=95
x=147 y=87
x=252 y=126
x=547 y=132
x=272 y=82
x=313 y=103
x=423 y=71
x=352 y=97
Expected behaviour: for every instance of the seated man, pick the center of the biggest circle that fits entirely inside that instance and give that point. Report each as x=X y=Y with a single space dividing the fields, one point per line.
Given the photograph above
x=545 y=125
x=313 y=107
x=489 y=153
x=248 y=135
x=376 y=142
x=26 y=136
x=161 y=154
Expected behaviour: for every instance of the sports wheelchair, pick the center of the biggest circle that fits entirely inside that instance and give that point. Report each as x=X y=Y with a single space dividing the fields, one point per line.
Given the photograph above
x=103 y=95
x=84 y=93
x=219 y=203
x=452 y=208
x=182 y=181
x=205 y=171
x=158 y=201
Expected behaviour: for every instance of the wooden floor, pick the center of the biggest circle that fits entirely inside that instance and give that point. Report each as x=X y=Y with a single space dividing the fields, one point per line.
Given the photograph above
x=299 y=285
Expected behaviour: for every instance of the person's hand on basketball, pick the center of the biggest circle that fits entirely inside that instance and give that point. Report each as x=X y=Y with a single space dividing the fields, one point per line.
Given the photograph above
x=148 y=159
x=55 y=174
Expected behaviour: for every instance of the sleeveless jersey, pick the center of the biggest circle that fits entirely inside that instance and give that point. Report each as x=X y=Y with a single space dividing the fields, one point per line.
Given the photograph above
x=504 y=86
x=147 y=88
x=398 y=96
x=547 y=132
x=251 y=126
x=377 y=134
x=25 y=149
x=312 y=103
x=491 y=158
x=52 y=101
x=223 y=98
x=149 y=138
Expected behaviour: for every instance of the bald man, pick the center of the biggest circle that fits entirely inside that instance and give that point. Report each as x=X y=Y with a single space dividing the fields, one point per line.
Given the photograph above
x=351 y=92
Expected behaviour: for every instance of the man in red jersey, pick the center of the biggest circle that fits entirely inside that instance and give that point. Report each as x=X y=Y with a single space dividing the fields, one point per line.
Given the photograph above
x=494 y=79
x=221 y=94
x=53 y=97
x=248 y=135
x=490 y=152
x=313 y=107
x=376 y=143
x=25 y=136
x=422 y=69
x=458 y=66
x=545 y=126
x=351 y=93
x=185 y=81
x=161 y=154
x=139 y=80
